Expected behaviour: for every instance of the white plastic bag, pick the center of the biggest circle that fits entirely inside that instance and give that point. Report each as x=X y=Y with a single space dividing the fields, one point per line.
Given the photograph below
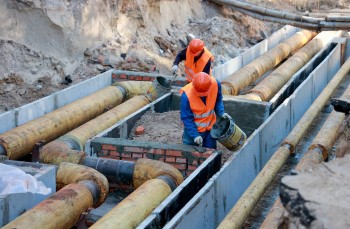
x=14 y=180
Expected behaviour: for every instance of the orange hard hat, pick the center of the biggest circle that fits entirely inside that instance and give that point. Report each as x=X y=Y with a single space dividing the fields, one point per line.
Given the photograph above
x=201 y=84
x=196 y=46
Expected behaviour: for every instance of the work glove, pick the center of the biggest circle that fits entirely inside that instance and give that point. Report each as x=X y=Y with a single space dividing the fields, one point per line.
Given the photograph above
x=174 y=69
x=225 y=115
x=198 y=140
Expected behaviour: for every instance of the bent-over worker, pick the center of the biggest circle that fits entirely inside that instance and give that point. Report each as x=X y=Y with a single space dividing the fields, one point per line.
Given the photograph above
x=201 y=103
x=197 y=59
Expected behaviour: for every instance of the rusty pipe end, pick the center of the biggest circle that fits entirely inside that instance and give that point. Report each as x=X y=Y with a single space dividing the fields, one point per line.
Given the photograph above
x=320 y=148
x=146 y=169
x=69 y=173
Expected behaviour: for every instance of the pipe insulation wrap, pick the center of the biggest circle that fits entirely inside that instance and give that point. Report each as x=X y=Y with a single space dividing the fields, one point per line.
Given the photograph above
x=95 y=126
x=136 y=207
x=146 y=169
x=258 y=67
x=271 y=84
x=71 y=173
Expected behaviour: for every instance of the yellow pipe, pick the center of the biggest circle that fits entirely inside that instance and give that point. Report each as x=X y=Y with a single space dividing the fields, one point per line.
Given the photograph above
x=21 y=140
x=270 y=85
x=63 y=209
x=69 y=173
x=106 y=120
x=136 y=207
x=317 y=152
x=258 y=67
x=146 y=169
x=241 y=210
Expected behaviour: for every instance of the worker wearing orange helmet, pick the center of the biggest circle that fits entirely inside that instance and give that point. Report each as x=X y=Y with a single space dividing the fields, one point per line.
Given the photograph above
x=201 y=103
x=197 y=59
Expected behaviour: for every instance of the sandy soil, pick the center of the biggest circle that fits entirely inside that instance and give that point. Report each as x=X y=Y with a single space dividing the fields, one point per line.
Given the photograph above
x=137 y=37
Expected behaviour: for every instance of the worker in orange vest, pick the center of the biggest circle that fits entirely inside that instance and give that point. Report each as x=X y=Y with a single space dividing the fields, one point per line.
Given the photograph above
x=201 y=103
x=197 y=59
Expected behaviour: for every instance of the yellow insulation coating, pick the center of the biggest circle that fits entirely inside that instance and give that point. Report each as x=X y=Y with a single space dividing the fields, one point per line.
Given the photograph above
x=134 y=87
x=69 y=173
x=106 y=120
x=136 y=207
x=258 y=67
x=146 y=169
x=22 y=139
x=57 y=151
x=60 y=211
x=269 y=86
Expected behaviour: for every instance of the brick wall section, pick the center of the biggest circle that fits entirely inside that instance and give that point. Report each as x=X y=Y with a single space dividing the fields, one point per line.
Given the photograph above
x=184 y=158
x=119 y=75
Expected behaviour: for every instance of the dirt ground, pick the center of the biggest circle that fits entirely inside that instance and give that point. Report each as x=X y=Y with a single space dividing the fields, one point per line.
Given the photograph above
x=47 y=47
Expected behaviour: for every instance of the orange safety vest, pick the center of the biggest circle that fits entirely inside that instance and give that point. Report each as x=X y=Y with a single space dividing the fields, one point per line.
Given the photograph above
x=204 y=115
x=192 y=68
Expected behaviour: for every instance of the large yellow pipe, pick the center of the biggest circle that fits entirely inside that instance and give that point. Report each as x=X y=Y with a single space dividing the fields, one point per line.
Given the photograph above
x=258 y=67
x=270 y=85
x=63 y=209
x=21 y=140
x=105 y=120
x=136 y=207
x=241 y=210
x=150 y=192
x=317 y=152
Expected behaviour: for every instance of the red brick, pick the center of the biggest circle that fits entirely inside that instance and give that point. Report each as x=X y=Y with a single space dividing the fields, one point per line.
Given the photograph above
x=174 y=153
x=157 y=151
x=126 y=154
x=145 y=78
x=114 y=153
x=181 y=160
x=201 y=155
x=188 y=173
x=129 y=159
x=131 y=77
x=123 y=76
x=103 y=153
x=133 y=149
x=137 y=155
x=159 y=159
x=192 y=167
x=170 y=159
x=194 y=162
x=138 y=78
x=180 y=166
x=140 y=130
x=109 y=147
